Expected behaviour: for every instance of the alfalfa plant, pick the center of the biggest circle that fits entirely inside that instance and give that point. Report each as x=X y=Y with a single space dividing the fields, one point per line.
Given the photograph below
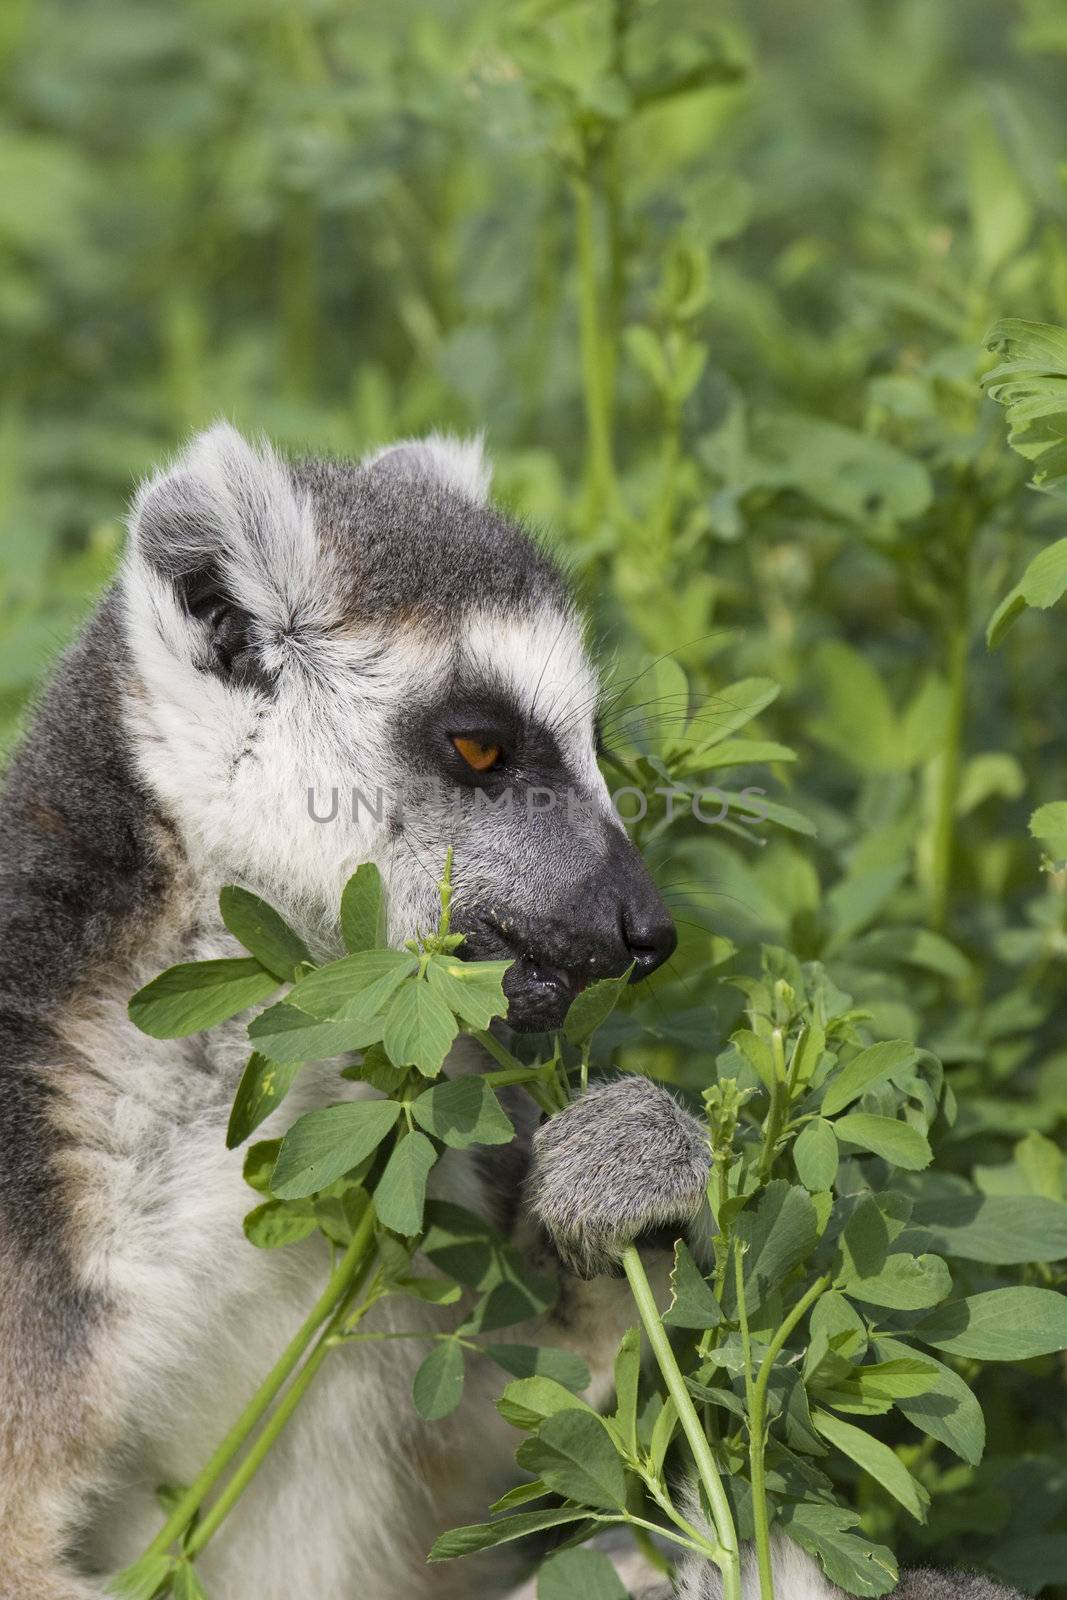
x=826 y=1284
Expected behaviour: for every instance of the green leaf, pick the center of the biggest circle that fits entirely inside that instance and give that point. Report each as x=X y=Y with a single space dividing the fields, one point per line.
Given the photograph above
x=520 y=1495
x=541 y=1361
x=731 y=709
x=574 y=1455
x=816 y=1157
x=587 y=1573
x=895 y=1141
x=512 y=1300
x=876 y=1064
x=323 y=1145
x=199 y=994
x=904 y=1283
x=1049 y=826
x=363 y=911
x=858 y=722
x=594 y=1006
x=438 y=1386
x=841 y=1324
x=878 y=1385
x=419 y=1028
x=992 y=772
x=434 y=1291
x=263 y=932
x=999 y=1325
x=280 y=1222
x=1031 y=384
x=338 y=1214
x=947 y=1411
x=463 y=1111
x=259 y=1163
x=264 y=1085
x=356 y=986
x=757 y=808
x=757 y=1052
x=401 y=1192
x=484 y=1535
x=1001 y=211
x=877 y=1460
x=848 y=1559
x=527 y=1402
x=289 y=1036
x=692 y=1303
x=473 y=990
x=1041 y=585
x=1000 y=1230
x=781 y=1231
x=734 y=753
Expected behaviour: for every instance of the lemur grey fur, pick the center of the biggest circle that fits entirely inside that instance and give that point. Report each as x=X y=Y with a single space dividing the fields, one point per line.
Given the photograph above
x=279 y=628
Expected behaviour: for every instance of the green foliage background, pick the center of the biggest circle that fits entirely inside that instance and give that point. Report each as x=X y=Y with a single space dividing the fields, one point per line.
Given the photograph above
x=716 y=280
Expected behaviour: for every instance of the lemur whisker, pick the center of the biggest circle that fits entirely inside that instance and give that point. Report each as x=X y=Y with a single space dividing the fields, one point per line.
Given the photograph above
x=544 y=668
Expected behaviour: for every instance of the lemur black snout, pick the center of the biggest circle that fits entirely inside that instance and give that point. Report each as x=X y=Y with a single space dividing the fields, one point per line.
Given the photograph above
x=649 y=935
x=630 y=922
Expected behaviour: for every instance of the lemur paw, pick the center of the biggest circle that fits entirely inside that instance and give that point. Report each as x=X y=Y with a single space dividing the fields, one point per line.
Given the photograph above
x=624 y=1158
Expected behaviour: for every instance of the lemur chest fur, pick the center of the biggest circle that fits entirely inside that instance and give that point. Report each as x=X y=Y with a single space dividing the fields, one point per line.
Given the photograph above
x=198 y=1316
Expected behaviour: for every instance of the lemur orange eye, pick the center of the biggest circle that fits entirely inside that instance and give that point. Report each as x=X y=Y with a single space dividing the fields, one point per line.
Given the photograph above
x=482 y=757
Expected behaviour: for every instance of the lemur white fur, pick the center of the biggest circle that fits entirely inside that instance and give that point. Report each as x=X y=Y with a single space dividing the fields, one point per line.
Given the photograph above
x=279 y=627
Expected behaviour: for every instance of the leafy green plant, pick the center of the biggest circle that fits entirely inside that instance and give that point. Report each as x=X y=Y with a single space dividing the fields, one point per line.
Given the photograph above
x=355 y=1171
x=717 y=279
x=843 y=1284
x=835 y=1265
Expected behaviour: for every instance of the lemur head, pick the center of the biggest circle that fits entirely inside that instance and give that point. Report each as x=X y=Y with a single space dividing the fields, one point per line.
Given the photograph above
x=338 y=663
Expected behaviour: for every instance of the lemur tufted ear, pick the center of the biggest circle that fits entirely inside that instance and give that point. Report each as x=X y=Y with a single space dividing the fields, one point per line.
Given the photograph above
x=456 y=463
x=225 y=530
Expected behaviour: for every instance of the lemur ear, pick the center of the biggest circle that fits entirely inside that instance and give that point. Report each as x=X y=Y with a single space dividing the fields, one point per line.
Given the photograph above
x=225 y=531
x=441 y=458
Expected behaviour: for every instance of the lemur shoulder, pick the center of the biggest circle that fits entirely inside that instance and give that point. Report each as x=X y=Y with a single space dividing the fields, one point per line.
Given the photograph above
x=279 y=627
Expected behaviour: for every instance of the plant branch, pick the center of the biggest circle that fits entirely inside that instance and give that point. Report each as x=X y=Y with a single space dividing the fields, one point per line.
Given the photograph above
x=352 y=1264
x=757 y=1418
x=727 y=1558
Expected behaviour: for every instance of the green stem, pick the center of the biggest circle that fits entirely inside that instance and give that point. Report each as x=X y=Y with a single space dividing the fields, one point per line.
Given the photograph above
x=726 y=1535
x=779 y=1107
x=757 y=1421
x=601 y=488
x=948 y=782
x=549 y=1095
x=268 y=1437
x=345 y=1274
x=957 y=651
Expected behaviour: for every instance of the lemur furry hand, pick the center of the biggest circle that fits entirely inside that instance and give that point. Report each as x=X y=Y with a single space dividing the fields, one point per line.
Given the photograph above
x=624 y=1158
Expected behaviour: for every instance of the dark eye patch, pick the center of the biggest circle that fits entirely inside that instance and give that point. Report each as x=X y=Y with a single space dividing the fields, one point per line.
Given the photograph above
x=488 y=715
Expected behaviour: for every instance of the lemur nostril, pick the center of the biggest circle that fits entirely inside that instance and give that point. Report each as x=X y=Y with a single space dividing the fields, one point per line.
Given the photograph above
x=650 y=940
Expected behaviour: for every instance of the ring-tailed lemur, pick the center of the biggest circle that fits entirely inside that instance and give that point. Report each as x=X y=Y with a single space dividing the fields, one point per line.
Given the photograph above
x=277 y=629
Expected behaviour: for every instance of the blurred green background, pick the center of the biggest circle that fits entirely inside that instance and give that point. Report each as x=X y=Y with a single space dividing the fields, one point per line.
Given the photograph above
x=715 y=279
x=338 y=222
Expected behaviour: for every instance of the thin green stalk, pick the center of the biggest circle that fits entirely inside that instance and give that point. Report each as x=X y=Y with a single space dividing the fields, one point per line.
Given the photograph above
x=548 y=1094
x=958 y=640
x=269 y=1435
x=779 y=1107
x=949 y=777
x=757 y=1419
x=337 y=1289
x=727 y=1558
x=601 y=487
